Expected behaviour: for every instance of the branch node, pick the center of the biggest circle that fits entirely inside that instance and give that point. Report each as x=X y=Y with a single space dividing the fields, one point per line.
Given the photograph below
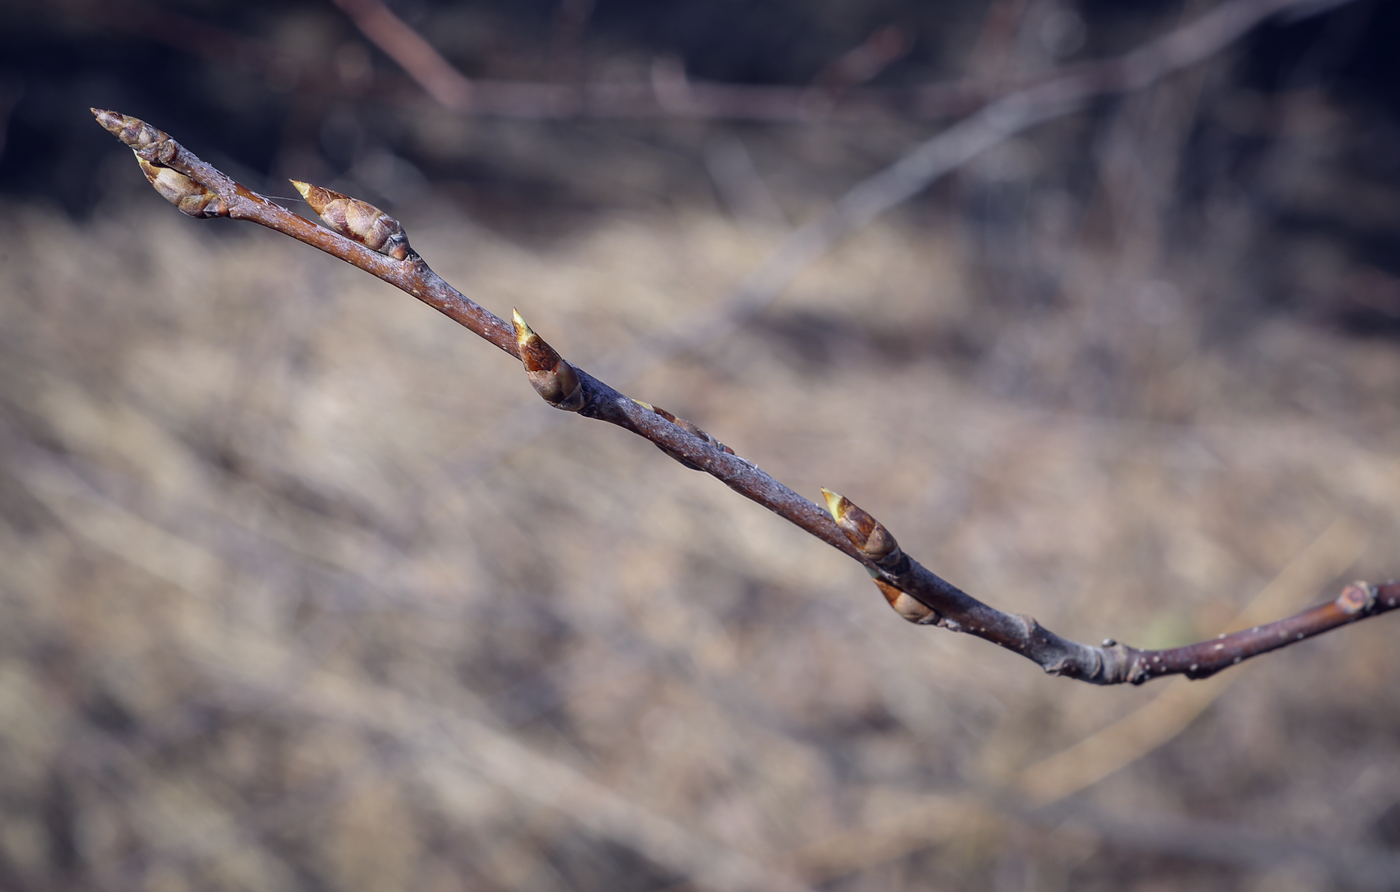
x=550 y=374
x=357 y=220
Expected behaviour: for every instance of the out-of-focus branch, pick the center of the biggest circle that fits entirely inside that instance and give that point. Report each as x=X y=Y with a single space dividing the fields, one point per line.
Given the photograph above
x=840 y=97
x=413 y=54
x=656 y=97
x=1062 y=93
x=365 y=237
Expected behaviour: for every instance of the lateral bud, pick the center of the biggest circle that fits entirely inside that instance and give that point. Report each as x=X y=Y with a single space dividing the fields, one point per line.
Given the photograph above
x=188 y=196
x=907 y=606
x=549 y=373
x=357 y=220
x=865 y=532
x=690 y=428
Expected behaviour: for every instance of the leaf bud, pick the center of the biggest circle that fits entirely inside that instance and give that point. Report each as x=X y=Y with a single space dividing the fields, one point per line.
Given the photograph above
x=357 y=220
x=551 y=375
x=864 y=532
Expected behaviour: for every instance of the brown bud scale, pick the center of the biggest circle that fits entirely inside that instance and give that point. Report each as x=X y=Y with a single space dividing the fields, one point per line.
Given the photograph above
x=357 y=220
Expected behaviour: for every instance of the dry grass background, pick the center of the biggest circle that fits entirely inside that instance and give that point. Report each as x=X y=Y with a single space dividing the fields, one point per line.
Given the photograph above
x=304 y=588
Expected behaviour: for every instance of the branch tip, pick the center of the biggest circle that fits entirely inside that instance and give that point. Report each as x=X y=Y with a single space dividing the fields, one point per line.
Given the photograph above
x=133 y=132
x=357 y=220
x=550 y=374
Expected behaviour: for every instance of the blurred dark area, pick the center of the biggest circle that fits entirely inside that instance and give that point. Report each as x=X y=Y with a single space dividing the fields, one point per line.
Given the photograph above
x=301 y=588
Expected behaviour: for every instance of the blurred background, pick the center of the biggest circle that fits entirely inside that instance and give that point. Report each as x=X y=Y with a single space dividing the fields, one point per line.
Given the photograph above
x=302 y=587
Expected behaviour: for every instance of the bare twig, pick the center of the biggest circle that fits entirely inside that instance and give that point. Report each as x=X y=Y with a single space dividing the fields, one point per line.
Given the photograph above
x=368 y=239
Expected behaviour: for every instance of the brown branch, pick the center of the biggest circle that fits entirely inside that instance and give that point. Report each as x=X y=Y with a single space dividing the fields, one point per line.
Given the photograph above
x=367 y=238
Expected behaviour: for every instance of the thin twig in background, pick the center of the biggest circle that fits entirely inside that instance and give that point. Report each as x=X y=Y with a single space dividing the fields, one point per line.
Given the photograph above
x=660 y=96
x=413 y=54
x=370 y=240
x=1013 y=113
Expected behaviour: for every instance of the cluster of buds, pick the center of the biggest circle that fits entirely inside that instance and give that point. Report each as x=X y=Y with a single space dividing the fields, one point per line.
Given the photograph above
x=357 y=220
x=549 y=373
x=870 y=537
x=151 y=147
x=690 y=428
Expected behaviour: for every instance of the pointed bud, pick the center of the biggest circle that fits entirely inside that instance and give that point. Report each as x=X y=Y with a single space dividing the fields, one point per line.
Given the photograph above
x=907 y=606
x=357 y=220
x=549 y=373
x=865 y=532
x=134 y=132
x=188 y=196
